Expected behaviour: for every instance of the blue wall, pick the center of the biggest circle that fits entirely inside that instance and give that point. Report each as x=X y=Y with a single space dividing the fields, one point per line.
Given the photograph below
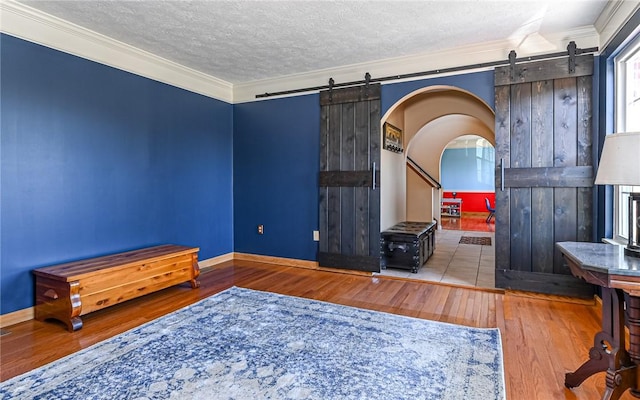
x=276 y=166
x=463 y=170
x=96 y=160
x=478 y=83
x=275 y=172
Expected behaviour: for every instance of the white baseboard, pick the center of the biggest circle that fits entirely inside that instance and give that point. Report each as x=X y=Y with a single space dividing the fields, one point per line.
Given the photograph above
x=16 y=317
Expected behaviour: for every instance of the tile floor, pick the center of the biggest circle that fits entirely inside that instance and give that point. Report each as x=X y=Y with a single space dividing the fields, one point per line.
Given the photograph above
x=454 y=263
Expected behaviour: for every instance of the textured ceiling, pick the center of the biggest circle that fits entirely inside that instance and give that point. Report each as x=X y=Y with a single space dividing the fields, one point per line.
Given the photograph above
x=242 y=41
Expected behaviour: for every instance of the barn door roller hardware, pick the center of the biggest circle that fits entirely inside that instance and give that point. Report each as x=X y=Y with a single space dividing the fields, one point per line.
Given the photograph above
x=331 y=82
x=572 y=52
x=512 y=65
x=367 y=80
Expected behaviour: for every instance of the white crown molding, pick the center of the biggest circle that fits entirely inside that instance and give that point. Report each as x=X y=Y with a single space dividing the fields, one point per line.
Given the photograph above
x=584 y=37
x=24 y=22
x=27 y=23
x=615 y=14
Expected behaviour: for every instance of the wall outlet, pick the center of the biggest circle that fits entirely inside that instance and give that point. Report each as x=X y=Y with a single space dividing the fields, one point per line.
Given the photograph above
x=261 y=229
x=316 y=236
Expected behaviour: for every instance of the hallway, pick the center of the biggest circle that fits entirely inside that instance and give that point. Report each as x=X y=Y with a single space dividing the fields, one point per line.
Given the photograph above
x=454 y=262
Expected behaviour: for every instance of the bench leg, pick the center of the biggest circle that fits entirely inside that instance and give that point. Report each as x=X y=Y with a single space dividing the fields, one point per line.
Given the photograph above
x=59 y=300
x=195 y=273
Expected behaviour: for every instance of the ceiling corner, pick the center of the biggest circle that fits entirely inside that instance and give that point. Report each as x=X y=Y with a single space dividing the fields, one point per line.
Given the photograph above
x=615 y=14
x=29 y=24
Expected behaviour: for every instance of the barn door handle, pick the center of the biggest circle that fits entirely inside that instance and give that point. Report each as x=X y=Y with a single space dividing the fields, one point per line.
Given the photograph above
x=502 y=174
x=373 y=183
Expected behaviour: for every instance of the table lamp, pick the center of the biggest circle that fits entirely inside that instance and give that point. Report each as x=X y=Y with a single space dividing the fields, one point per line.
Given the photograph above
x=620 y=165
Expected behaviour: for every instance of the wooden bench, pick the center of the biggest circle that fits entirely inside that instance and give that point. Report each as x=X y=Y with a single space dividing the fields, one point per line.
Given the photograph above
x=67 y=291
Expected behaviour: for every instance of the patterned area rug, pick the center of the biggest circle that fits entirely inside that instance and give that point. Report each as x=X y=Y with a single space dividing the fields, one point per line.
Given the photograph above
x=246 y=344
x=481 y=240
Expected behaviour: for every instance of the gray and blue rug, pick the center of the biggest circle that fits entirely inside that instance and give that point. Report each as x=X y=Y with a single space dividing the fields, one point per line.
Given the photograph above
x=246 y=344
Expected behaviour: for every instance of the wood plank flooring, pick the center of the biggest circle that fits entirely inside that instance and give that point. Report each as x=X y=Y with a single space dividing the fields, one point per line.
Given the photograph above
x=543 y=337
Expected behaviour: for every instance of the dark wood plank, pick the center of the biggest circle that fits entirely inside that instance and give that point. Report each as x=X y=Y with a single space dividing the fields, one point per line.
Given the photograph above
x=374 y=195
x=350 y=94
x=542 y=240
x=324 y=138
x=565 y=128
x=334 y=132
x=542 y=124
x=565 y=223
x=543 y=70
x=585 y=158
x=346 y=179
x=333 y=221
x=323 y=192
x=520 y=229
x=348 y=261
x=542 y=230
x=361 y=162
x=347 y=163
x=503 y=202
x=520 y=132
x=565 y=155
x=574 y=176
x=566 y=285
x=520 y=158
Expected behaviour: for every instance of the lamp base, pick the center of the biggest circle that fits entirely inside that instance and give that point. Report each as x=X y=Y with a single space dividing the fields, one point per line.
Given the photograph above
x=631 y=252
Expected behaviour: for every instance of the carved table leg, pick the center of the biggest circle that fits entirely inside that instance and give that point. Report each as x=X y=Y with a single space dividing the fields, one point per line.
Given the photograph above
x=598 y=362
x=633 y=320
x=608 y=352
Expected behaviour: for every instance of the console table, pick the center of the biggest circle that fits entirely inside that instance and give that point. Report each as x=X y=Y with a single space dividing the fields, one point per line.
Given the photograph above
x=619 y=277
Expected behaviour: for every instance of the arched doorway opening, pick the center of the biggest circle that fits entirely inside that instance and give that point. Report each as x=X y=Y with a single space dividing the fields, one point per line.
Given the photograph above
x=430 y=118
x=467 y=170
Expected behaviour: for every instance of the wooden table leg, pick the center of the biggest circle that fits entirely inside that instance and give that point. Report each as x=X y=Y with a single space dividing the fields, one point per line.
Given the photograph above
x=608 y=351
x=633 y=320
x=598 y=361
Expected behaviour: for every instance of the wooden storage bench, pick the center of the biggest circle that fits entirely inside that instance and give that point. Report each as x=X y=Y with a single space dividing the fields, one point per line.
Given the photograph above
x=67 y=291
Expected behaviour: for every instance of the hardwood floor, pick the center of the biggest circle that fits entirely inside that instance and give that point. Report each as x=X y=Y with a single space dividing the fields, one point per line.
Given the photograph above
x=543 y=337
x=471 y=221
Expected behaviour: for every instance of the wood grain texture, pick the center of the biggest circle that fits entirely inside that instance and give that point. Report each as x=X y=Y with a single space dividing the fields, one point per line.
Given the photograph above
x=539 y=70
x=549 y=178
x=503 y=156
x=574 y=176
x=67 y=291
x=347 y=179
x=542 y=245
x=520 y=218
x=543 y=336
x=349 y=207
x=586 y=214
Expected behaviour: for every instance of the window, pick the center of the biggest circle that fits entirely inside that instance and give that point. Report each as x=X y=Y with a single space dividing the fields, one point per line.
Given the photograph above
x=627 y=109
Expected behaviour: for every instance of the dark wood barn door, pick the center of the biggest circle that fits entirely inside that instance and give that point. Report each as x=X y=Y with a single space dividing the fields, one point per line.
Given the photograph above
x=543 y=151
x=349 y=178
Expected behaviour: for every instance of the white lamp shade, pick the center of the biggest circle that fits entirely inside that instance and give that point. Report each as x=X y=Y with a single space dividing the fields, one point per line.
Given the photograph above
x=620 y=160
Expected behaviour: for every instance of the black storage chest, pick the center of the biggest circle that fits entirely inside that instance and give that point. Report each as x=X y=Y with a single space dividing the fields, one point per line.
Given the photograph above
x=407 y=245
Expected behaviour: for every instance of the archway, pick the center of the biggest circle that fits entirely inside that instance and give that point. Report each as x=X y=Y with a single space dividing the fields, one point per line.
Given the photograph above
x=467 y=168
x=430 y=118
